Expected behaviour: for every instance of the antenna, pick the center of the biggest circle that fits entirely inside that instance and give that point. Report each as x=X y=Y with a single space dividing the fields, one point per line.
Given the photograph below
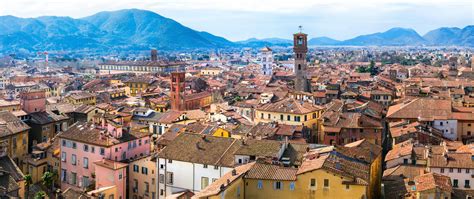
x=300 y=27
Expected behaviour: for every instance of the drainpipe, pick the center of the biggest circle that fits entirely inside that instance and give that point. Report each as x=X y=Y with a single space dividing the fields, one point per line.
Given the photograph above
x=194 y=170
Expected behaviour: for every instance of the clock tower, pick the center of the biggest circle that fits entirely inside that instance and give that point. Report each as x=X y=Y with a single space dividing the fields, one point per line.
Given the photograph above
x=300 y=48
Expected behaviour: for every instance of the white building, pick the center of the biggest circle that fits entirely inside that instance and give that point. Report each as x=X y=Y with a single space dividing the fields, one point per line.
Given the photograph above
x=193 y=161
x=266 y=61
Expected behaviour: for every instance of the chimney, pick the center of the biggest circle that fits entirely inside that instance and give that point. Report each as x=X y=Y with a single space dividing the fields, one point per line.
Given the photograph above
x=234 y=172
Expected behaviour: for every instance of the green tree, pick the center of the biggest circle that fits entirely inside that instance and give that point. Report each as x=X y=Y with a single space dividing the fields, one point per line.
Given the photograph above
x=40 y=195
x=28 y=182
x=48 y=180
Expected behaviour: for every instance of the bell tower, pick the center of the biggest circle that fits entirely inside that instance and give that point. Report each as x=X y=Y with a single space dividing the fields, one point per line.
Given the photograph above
x=300 y=48
x=177 y=91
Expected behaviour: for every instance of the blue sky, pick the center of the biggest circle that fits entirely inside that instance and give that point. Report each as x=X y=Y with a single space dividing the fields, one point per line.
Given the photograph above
x=242 y=19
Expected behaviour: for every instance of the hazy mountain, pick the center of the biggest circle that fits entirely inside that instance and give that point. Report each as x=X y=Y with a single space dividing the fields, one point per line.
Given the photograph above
x=118 y=29
x=392 y=37
x=254 y=42
x=451 y=36
x=140 y=29
x=323 y=41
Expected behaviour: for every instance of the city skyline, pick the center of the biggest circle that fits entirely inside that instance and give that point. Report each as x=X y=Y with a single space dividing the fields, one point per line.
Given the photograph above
x=266 y=19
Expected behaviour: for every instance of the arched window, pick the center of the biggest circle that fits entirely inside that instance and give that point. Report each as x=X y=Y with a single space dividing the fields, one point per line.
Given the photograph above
x=299 y=66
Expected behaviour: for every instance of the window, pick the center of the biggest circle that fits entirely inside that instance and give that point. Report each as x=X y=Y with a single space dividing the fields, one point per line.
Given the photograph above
x=102 y=151
x=85 y=181
x=63 y=175
x=85 y=162
x=64 y=143
x=145 y=170
x=288 y=117
x=314 y=115
x=455 y=183
x=292 y=186
x=405 y=161
x=261 y=116
x=120 y=176
x=147 y=187
x=467 y=171
x=170 y=161
x=297 y=118
x=73 y=178
x=277 y=185
x=238 y=191
x=442 y=170
x=169 y=177
x=281 y=117
x=313 y=183
x=63 y=156
x=204 y=166
x=135 y=168
x=347 y=187
x=86 y=147
x=73 y=159
x=93 y=149
x=260 y=184
x=467 y=184
x=269 y=116
x=204 y=182
x=74 y=145
x=459 y=170
x=135 y=185
x=326 y=183
x=450 y=170
x=441 y=123
x=305 y=118
x=161 y=178
x=216 y=167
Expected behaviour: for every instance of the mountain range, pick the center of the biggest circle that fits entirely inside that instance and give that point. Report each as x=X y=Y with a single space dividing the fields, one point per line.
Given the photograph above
x=140 y=29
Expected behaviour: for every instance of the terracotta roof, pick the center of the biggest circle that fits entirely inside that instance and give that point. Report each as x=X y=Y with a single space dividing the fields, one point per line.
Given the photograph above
x=431 y=181
x=210 y=150
x=289 y=105
x=259 y=148
x=399 y=150
x=267 y=171
x=424 y=108
x=404 y=171
x=111 y=164
x=452 y=160
x=10 y=124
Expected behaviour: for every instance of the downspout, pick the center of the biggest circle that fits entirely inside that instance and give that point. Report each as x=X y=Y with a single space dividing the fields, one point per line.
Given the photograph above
x=194 y=170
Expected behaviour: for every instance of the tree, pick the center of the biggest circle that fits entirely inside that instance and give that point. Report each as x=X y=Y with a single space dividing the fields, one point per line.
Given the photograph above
x=40 y=195
x=28 y=182
x=48 y=179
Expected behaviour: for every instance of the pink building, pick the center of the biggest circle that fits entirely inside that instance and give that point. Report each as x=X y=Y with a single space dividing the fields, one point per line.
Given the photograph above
x=88 y=150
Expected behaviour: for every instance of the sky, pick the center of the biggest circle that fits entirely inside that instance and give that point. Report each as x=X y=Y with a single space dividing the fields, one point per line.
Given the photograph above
x=242 y=19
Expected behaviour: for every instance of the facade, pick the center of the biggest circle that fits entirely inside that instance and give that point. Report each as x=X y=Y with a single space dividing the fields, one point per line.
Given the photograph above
x=211 y=71
x=184 y=159
x=33 y=101
x=291 y=112
x=181 y=101
x=9 y=105
x=142 y=178
x=14 y=138
x=81 y=98
x=266 y=61
x=93 y=152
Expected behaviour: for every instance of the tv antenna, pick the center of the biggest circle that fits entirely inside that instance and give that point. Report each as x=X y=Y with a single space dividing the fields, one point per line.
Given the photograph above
x=300 y=27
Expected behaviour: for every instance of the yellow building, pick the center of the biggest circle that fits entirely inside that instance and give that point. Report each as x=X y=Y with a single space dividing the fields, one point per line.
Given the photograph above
x=211 y=71
x=13 y=105
x=291 y=112
x=141 y=176
x=14 y=140
x=138 y=85
x=327 y=172
x=81 y=98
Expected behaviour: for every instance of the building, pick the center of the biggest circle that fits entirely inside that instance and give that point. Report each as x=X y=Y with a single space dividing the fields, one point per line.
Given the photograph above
x=81 y=98
x=211 y=71
x=142 y=178
x=9 y=105
x=326 y=176
x=14 y=138
x=33 y=101
x=266 y=61
x=291 y=112
x=181 y=101
x=138 y=85
x=97 y=152
x=300 y=48
x=204 y=159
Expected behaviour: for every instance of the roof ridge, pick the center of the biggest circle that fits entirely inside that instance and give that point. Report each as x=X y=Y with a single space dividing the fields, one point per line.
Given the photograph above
x=225 y=152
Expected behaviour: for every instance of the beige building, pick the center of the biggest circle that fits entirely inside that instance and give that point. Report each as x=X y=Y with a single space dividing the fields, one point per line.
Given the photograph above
x=142 y=178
